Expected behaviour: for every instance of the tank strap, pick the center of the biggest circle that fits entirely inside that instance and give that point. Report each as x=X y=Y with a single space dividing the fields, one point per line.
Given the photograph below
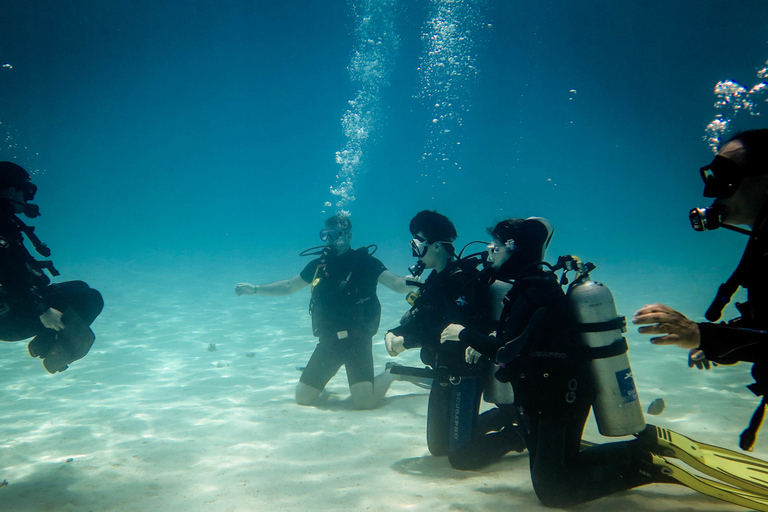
x=611 y=325
x=616 y=348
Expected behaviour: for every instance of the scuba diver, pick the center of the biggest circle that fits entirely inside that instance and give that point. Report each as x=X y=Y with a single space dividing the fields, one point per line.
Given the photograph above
x=345 y=313
x=565 y=354
x=451 y=293
x=737 y=179
x=56 y=316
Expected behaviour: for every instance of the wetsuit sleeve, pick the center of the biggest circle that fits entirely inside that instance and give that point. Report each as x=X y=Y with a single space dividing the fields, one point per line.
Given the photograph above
x=309 y=271
x=486 y=345
x=724 y=344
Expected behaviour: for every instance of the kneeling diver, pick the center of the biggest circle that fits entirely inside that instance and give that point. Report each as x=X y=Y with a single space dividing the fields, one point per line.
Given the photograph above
x=56 y=316
x=555 y=355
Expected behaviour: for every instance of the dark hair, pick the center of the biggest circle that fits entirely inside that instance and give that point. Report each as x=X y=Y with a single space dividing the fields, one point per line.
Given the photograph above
x=339 y=221
x=505 y=230
x=434 y=226
x=12 y=175
x=531 y=238
x=755 y=154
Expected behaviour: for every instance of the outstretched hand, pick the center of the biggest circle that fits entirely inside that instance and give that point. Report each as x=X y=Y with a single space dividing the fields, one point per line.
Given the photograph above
x=245 y=289
x=661 y=319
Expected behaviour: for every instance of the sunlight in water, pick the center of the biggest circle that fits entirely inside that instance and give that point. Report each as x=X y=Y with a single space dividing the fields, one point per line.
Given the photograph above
x=447 y=69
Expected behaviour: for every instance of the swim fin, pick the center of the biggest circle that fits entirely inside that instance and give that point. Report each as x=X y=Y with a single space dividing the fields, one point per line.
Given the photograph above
x=713 y=488
x=70 y=344
x=734 y=468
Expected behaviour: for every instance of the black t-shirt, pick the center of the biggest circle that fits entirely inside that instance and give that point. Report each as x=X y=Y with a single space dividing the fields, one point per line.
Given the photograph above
x=344 y=296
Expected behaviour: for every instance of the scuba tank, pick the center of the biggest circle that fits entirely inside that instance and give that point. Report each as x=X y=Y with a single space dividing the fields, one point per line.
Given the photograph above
x=617 y=406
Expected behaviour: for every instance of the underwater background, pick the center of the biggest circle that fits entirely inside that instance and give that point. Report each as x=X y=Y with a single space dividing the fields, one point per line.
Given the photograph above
x=182 y=147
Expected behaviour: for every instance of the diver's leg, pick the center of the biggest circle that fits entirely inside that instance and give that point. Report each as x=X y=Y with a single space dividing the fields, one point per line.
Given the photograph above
x=322 y=366
x=438 y=417
x=488 y=447
x=365 y=390
x=306 y=394
x=563 y=476
x=76 y=294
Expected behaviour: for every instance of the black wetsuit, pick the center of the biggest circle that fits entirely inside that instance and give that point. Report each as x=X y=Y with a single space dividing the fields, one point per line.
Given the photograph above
x=345 y=316
x=553 y=395
x=454 y=295
x=746 y=338
x=26 y=293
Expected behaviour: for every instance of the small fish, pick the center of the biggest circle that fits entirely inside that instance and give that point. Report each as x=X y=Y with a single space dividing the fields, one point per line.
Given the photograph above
x=250 y=354
x=4 y=483
x=221 y=365
x=212 y=347
x=656 y=407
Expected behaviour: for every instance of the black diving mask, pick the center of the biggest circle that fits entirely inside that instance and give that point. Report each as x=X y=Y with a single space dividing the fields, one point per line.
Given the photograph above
x=29 y=189
x=419 y=247
x=330 y=234
x=722 y=177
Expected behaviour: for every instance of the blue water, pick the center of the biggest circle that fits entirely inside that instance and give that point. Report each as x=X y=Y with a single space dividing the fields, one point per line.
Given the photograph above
x=182 y=147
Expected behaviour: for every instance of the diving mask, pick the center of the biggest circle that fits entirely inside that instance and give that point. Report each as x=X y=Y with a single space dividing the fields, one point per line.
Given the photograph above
x=330 y=234
x=722 y=177
x=419 y=247
x=509 y=245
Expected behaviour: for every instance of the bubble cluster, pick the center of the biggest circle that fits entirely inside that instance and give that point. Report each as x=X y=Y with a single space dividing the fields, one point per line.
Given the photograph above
x=12 y=151
x=733 y=99
x=369 y=71
x=447 y=70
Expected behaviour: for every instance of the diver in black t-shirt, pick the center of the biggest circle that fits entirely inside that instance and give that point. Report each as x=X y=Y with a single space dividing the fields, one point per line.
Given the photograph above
x=56 y=316
x=345 y=314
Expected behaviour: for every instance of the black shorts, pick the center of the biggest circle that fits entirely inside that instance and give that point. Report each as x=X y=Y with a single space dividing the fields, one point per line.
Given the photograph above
x=354 y=352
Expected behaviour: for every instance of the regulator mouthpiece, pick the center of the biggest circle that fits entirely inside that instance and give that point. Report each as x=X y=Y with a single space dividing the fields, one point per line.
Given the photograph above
x=709 y=218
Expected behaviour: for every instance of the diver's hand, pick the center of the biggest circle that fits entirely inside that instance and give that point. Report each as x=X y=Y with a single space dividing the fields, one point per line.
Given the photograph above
x=472 y=356
x=451 y=333
x=394 y=344
x=678 y=329
x=412 y=281
x=245 y=289
x=697 y=358
x=51 y=319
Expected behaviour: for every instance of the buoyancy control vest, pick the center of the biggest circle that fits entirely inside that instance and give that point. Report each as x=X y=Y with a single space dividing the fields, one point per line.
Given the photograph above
x=344 y=295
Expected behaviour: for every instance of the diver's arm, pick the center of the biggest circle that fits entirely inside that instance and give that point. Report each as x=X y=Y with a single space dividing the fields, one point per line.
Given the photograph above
x=394 y=282
x=486 y=345
x=284 y=287
x=724 y=344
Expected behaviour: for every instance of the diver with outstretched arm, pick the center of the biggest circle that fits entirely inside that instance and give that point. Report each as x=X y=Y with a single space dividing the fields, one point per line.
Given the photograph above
x=56 y=316
x=737 y=179
x=345 y=314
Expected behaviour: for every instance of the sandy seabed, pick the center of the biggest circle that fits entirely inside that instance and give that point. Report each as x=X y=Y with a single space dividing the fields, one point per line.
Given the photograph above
x=152 y=419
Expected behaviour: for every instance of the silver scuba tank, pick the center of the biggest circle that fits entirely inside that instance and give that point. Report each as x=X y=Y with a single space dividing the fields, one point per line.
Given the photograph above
x=617 y=405
x=495 y=391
